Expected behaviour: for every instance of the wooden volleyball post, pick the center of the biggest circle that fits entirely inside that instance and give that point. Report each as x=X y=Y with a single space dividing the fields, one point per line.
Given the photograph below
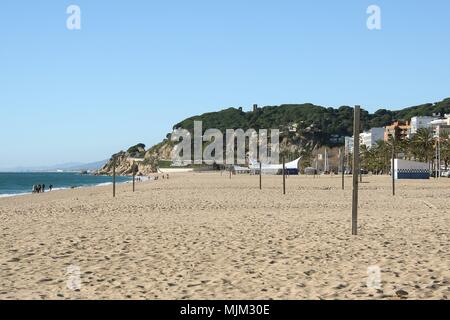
x=284 y=176
x=393 y=166
x=356 y=168
x=134 y=176
x=114 y=177
x=260 y=175
x=343 y=169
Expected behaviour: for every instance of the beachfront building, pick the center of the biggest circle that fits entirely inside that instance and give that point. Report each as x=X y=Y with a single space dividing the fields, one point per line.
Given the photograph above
x=400 y=130
x=371 y=137
x=441 y=125
x=420 y=123
x=348 y=145
x=367 y=138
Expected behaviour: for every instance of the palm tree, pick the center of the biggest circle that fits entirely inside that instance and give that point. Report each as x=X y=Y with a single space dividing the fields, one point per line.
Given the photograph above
x=380 y=156
x=422 y=145
x=444 y=138
x=365 y=156
x=421 y=148
x=404 y=147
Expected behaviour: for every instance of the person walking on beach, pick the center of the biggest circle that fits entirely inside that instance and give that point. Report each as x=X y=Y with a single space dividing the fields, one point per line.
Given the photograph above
x=43 y=188
x=50 y=187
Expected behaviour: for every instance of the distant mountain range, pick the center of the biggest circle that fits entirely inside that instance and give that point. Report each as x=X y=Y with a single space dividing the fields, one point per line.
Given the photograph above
x=67 y=167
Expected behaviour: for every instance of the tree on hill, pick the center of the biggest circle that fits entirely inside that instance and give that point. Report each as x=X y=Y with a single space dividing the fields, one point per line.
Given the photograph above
x=137 y=151
x=315 y=123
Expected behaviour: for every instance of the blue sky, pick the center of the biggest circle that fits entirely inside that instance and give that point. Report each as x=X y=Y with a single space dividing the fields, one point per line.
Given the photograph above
x=138 y=67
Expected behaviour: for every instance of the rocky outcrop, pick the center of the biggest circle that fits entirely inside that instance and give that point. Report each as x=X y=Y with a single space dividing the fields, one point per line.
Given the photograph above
x=137 y=160
x=161 y=151
x=126 y=166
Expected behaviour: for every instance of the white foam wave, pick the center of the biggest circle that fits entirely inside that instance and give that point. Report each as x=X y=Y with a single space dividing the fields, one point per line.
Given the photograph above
x=103 y=184
x=13 y=195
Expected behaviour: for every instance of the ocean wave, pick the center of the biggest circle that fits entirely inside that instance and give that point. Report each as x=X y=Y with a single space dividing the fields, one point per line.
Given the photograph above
x=58 y=189
x=13 y=195
x=104 y=184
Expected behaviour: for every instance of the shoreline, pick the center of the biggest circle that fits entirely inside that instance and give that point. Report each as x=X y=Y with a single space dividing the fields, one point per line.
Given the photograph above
x=103 y=184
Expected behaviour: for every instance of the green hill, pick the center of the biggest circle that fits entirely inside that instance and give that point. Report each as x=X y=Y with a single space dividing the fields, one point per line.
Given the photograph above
x=314 y=123
x=315 y=126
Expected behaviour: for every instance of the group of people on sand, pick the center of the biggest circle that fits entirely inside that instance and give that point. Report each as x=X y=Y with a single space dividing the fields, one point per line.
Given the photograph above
x=40 y=188
x=166 y=176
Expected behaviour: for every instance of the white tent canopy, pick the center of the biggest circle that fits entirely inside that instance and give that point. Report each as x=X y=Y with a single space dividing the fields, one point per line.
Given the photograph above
x=273 y=168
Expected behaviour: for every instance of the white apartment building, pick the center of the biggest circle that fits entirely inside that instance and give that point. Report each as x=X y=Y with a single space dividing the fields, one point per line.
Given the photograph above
x=371 y=137
x=421 y=123
x=440 y=125
x=348 y=145
x=368 y=138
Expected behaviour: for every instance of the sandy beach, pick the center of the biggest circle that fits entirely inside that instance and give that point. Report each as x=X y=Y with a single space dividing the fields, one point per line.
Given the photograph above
x=204 y=236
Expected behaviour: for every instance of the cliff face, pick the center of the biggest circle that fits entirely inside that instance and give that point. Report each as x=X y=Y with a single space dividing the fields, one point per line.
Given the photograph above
x=138 y=160
x=161 y=151
x=125 y=166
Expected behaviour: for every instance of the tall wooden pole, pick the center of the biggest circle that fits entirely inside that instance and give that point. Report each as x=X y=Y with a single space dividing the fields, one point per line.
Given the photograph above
x=437 y=165
x=439 y=156
x=360 y=169
x=360 y=172
x=437 y=159
x=356 y=121
x=134 y=176
x=284 y=176
x=114 y=178
x=393 y=166
x=260 y=175
x=343 y=169
x=316 y=167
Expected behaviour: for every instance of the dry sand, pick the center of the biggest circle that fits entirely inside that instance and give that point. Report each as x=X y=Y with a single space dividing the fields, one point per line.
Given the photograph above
x=203 y=236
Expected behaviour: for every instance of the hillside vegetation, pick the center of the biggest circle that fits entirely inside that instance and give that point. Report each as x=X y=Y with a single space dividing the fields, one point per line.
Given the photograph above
x=314 y=123
x=315 y=126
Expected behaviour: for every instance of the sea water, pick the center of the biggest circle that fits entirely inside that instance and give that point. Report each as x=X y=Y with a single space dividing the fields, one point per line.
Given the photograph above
x=22 y=183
